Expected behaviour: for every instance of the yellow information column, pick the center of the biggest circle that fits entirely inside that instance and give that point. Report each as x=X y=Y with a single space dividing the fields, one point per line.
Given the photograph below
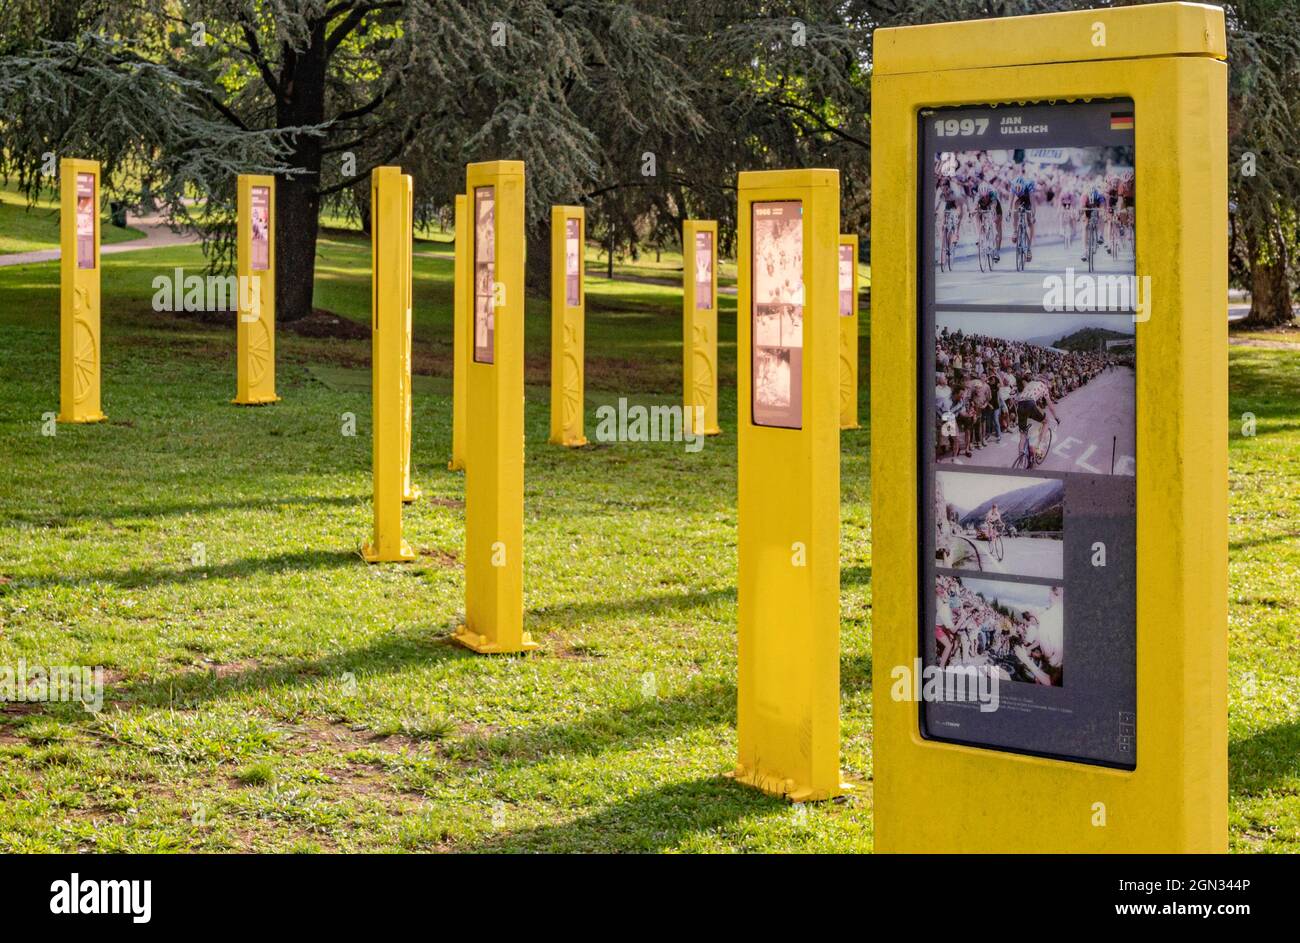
x=1154 y=78
x=700 y=323
x=390 y=273
x=494 y=430
x=79 y=349
x=848 y=257
x=788 y=581
x=410 y=492
x=568 y=327
x=460 y=335
x=255 y=332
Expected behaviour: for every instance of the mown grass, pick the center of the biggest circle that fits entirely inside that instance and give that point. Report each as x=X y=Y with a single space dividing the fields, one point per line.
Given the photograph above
x=27 y=229
x=269 y=691
x=279 y=694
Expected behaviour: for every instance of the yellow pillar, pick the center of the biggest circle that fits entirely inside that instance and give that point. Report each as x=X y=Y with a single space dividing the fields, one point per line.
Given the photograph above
x=700 y=323
x=1157 y=78
x=494 y=430
x=410 y=492
x=460 y=335
x=788 y=578
x=79 y=337
x=255 y=262
x=568 y=328
x=390 y=259
x=848 y=250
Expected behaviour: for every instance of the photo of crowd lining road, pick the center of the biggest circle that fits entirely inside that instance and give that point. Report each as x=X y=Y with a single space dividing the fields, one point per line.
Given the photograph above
x=1014 y=629
x=1005 y=219
x=778 y=314
x=999 y=524
x=1053 y=392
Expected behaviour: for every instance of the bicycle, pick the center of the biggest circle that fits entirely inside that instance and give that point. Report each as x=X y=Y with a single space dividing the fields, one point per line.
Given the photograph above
x=995 y=543
x=1090 y=240
x=987 y=235
x=949 y=236
x=1022 y=240
x=1032 y=456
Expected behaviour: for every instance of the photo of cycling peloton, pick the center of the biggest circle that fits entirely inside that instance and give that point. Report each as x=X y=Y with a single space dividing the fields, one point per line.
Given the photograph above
x=999 y=524
x=1006 y=219
x=1053 y=392
x=1016 y=629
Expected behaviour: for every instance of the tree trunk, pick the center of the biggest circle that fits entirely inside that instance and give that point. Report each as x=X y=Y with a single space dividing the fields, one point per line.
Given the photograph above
x=537 y=259
x=297 y=204
x=1270 y=288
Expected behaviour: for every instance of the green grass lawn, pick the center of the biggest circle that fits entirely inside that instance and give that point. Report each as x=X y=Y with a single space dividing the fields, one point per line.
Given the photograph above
x=269 y=691
x=24 y=229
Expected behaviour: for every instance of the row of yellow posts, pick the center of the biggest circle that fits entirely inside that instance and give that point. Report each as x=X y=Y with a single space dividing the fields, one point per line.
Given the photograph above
x=793 y=400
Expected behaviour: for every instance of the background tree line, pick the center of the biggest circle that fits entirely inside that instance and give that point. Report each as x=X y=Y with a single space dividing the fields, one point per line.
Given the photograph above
x=643 y=111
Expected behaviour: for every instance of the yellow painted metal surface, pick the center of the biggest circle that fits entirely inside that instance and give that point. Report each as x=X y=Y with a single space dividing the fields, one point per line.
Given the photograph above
x=460 y=336
x=568 y=331
x=80 y=355
x=390 y=298
x=849 y=341
x=494 y=430
x=410 y=492
x=1176 y=798
x=700 y=326
x=255 y=328
x=788 y=579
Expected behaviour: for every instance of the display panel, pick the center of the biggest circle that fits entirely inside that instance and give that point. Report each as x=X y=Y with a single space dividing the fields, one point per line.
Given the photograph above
x=572 y=262
x=85 y=220
x=846 y=280
x=1028 y=302
x=484 y=274
x=778 y=309
x=260 y=228
x=704 y=271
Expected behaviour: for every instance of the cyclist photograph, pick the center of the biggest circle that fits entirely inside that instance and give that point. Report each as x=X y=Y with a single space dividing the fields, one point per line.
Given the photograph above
x=1063 y=385
x=999 y=524
x=1005 y=219
x=1016 y=629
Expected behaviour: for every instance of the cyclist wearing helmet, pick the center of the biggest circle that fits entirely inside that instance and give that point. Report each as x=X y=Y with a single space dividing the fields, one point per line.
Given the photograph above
x=1034 y=402
x=1022 y=202
x=986 y=201
x=1094 y=204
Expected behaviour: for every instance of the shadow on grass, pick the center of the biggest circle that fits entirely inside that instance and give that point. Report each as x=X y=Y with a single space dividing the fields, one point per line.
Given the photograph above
x=178 y=508
x=568 y=614
x=1264 y=760
x=653 y=820
x=138 y=577
x=387 y=655
x=855 y=575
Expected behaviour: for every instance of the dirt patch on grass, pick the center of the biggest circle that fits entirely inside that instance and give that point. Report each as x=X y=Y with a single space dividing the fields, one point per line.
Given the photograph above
x=1282 y=337
x=319 y=324
x=440 y=557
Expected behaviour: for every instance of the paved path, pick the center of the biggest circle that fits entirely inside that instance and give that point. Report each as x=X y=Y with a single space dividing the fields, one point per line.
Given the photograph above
x=1021 y=556
x=157 y=234
x=1096 y=419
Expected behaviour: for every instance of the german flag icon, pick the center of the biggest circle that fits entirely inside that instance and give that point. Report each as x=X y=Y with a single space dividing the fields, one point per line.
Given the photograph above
x=1121 y=121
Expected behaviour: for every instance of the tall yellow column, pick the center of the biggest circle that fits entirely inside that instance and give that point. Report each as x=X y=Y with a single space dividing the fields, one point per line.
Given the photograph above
x=1145 y=576
x=255 y=262
x=494 y=430
x=390 y=260
x=79 y=347
x=848 y=259
x=700 y=323
x=788 y=579
x=568 y=327
x=410 y=492
x=460 y=335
